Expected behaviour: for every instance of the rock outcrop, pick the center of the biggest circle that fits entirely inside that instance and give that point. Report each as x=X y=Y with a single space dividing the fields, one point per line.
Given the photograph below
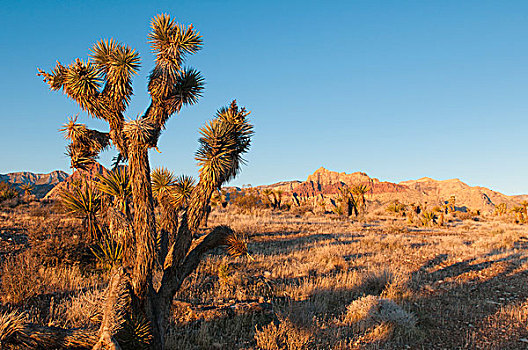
x=89 y=173
x=42 y=183
x=326 y=183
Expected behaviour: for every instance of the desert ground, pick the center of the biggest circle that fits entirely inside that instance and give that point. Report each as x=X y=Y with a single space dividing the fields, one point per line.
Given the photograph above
x=309 y=281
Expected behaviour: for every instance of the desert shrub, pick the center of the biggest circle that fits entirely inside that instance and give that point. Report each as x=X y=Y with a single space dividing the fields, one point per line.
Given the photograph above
x=51 y=264
x=301 y=210
x=20 y=278
x=501 y=209
x=7 y=191
x=82 y=309
x=428 y=218
x=248 y=201
x=397 y=289
x=65 y=251
x=285 y=335
x=42 y=209
x=396 y=207
x=370 y=311
x=375 y=281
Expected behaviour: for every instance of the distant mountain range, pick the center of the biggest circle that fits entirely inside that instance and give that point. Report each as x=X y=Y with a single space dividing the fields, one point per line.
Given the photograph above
x=325 y=183
x=322 y=184
x=42 y=183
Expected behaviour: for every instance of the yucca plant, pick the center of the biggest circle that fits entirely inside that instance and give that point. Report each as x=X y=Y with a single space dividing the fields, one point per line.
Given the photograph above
x=83 y=201
x=136 y=333
x=102 y=87
x=116 y=184
x=428 y=218
x=183 y=189
x=501 y=209
x=359 y=192
x=236 y=245
x=519 y=212
x=348 y=203
x=163 y=183
x=108 y=252
x=396 y=207
x=27 y=188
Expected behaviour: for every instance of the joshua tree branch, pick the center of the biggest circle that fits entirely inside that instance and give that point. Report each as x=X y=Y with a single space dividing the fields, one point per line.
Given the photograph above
x=16 y=332
x=174 y=275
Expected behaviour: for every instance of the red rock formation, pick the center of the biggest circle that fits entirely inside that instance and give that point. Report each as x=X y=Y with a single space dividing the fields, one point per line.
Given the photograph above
x=77 y=175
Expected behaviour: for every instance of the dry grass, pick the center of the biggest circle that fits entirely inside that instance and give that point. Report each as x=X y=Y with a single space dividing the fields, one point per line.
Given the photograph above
x=312 y=282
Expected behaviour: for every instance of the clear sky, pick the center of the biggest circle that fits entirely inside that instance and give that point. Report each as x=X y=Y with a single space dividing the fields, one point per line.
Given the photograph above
x=397 y=89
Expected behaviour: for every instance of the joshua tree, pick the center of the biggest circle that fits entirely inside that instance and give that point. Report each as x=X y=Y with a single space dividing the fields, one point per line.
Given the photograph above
x=27 y=188
x=360 y=191
x=428 y=218
x=102 y=86
x=277 y=197
x=346 y=198
x=501 y=209
x=274 y=198
x=519 y=212
x=451 y=205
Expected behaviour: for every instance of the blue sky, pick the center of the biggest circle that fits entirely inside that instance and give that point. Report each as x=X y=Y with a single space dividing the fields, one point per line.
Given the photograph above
x=397 y=89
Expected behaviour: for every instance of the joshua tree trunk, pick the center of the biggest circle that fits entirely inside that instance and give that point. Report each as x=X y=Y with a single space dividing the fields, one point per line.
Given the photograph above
x=144 y=220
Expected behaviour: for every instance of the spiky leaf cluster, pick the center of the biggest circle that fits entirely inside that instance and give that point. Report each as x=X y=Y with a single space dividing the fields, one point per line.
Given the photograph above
x=81 y=199
x=139 y=131
x=85 y=144
x=116 y=183
x=84 y=202
x=172 y=42
x=27 y=188
x=163 y=182
x=108 y=252
x=182 y=191
x=223 y=141
x=116 y=64
x=12 y=325
x=236 y=245
x=136 y=333
x=360 y=190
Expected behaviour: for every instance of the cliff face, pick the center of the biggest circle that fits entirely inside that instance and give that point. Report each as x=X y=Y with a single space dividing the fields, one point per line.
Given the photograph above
x=326 y=183
x=42 y=183
x=474 y=197
x=325 y=176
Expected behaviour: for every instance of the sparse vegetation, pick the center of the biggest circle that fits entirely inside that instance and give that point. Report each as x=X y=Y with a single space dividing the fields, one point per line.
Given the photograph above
x=7 y=191
x=310 y=283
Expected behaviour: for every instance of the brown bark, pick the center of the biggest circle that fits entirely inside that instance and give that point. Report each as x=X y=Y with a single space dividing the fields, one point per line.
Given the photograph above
x=191 y=220
x=144 y=220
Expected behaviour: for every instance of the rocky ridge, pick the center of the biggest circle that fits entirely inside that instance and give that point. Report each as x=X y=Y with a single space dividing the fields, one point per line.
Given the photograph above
x=326 y=183
x=42 y=183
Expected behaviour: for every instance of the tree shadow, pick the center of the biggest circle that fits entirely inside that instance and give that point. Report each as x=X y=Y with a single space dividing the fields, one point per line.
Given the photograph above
x=451 y=308
x=287 y=245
